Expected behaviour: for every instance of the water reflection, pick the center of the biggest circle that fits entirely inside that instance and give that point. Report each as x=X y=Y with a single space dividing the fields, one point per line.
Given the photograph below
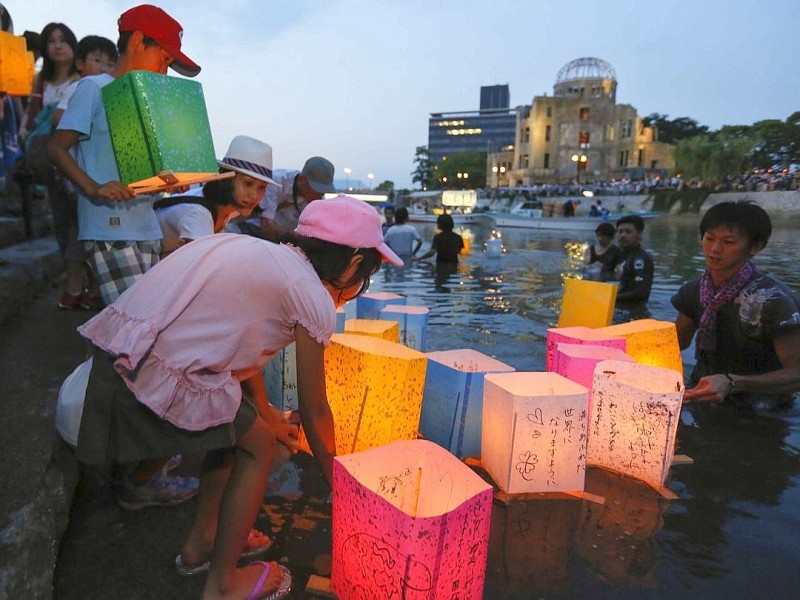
x=735 y=529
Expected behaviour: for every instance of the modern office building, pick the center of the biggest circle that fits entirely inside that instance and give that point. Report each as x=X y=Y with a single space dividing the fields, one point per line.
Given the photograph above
x=490 y=129
x=579 y=133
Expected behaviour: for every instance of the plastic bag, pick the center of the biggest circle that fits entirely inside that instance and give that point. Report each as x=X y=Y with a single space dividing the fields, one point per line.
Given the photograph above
x=71 y=396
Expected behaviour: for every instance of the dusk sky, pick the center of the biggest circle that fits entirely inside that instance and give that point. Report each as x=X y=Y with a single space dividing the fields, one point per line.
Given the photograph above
x=355 y=80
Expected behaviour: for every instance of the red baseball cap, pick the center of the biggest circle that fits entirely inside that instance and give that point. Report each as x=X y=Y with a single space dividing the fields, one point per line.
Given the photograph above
x=159 y=26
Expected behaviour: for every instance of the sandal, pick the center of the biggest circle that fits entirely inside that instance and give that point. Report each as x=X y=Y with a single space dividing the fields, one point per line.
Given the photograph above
x=284 y=587
x=247 y=554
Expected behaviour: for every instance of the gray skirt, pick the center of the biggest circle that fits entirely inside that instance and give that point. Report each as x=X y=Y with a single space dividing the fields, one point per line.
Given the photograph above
x=116 y=427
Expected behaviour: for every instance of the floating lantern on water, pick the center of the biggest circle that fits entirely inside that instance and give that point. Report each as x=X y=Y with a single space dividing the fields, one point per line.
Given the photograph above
x=649 y=342
x=587 y=303
x=634 y=417
x=576 y=362
x=409 y=521
x=16 y=65
x=385 y=330
x=452 y=404
x=160 y=131
x=580 y=335
x=494 y=245
x=413 y=323
x=280 y=378
x=341 y=317
x=534 y=432
x=374 y=389
x=369 y=305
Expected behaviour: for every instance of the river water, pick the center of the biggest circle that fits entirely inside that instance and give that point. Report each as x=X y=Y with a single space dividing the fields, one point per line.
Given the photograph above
x=734 y=529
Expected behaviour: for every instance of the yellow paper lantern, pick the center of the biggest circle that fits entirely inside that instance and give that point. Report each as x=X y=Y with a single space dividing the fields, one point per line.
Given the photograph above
x=649 y=342
x=587 y=303
x=374 y=389
x=409 y=521
x=579 y=335
x=534 y=432
x=16 y=65
x=385 y=330
x=634 y=417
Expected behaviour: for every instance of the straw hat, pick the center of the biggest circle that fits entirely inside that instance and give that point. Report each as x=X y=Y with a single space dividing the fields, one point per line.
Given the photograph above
x=249 y=156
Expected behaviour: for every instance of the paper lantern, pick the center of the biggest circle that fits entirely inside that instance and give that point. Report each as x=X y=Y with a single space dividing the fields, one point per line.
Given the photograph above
x=616 y=539
x=494 y=248
x=587 y=303
x=341 y=317
x=530 y=544
x=452 y=404
x=374 y=389
x=16 y=65
x=409 y=521
x=413 y=323
x=369 y=305
x=580 y=335
x=280 y=378
x=534 y=432
x=160 y=131
x=576 y=362
x=634 y=419
x=650 y=342
x=385 y=330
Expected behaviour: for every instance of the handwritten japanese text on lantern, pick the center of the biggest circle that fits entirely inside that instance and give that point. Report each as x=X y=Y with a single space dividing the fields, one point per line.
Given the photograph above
x=410 y=521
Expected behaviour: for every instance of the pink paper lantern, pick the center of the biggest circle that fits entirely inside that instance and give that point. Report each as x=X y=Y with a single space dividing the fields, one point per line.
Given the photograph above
x=634 y=417
x=534 y=432
x=576 y=362
x=410 y=521
x=580 y=335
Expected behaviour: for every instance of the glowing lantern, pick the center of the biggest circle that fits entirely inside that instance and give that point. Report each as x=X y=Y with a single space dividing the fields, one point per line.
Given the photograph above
x=452 y=405
x=634 y=419
x=369 y=305
x=576 y=362
x=160 y=131
x=16 y=65
x=413 y=323
x=587 y=303
x=385 y=330
x=650 y=342
x=534 y=432
x=580 y=335
x=409 y=521
x=341 y=317
x=280 y=378
x=374 y=389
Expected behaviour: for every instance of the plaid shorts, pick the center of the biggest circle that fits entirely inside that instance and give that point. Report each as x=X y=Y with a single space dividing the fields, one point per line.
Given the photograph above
x=118 y=264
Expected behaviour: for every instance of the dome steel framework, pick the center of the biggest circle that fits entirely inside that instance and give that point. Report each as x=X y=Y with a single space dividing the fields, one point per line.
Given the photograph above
x=586 y=68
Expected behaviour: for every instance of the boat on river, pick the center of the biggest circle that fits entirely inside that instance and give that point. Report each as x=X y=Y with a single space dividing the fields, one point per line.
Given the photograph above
x=530 y=214
x=425 y=207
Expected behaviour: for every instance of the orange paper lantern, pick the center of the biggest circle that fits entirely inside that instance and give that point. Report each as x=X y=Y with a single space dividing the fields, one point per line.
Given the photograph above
x=16 y=65
x=385 y=330
x=374 y=389
x=649 y=342
x=587 y=303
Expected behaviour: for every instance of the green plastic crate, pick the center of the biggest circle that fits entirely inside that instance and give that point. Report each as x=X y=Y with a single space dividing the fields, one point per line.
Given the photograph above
x=158 y=123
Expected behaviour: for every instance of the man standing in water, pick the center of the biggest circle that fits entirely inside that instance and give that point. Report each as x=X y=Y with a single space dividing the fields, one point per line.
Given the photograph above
x=747 y=323
x=635 y=269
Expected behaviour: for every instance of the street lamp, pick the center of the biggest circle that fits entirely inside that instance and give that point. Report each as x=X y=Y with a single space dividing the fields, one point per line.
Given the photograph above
x=347 y=171
x=580 y=165
x=498 y=171
x=370 y=176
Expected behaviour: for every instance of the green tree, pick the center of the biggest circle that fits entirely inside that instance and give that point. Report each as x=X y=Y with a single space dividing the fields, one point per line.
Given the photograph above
x=471 y=166
x=672 y=131
x=423 y=172
x=387 y=187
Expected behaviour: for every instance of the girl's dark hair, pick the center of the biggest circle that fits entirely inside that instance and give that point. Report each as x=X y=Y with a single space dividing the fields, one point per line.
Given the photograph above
x=48 y=67
x=330 y=260
x=6 y=21
x=445 y=222
x=92 y=43
x=744 y=215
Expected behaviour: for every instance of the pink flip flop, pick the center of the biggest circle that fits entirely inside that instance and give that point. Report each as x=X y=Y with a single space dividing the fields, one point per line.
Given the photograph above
x=247 y=554
x=284 y=587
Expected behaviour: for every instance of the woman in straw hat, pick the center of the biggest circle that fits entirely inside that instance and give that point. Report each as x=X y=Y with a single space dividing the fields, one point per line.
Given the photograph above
x=177 y=368
x=208 y=210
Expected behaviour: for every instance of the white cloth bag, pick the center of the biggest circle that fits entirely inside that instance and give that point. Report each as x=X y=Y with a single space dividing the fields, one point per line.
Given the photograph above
x=71 y=396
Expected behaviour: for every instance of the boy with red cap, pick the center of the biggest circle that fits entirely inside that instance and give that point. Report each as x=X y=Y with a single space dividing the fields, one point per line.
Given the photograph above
x=120 y=231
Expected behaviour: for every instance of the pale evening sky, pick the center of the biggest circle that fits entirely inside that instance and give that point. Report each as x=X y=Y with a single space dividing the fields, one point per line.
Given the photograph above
x=355 y=80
